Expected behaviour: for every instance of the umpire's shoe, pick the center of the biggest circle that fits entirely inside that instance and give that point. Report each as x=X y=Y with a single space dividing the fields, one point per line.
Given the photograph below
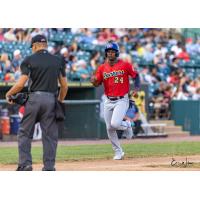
x=24 y=168
x=44 y=169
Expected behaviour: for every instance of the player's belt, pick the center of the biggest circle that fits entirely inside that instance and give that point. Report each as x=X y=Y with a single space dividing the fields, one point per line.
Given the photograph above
x=115 y=98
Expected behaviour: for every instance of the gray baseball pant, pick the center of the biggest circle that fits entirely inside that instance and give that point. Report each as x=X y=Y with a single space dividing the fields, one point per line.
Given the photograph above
x=114 y=112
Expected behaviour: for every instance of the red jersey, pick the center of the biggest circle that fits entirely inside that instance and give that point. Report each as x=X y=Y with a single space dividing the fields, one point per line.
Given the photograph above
x=115 y=78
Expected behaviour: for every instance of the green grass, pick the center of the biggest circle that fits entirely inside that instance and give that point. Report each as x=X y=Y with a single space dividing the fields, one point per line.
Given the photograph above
x=9 y=155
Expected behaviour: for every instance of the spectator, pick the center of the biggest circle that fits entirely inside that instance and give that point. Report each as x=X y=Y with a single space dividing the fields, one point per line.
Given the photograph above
x=145 y=75
x=190 y=46
x=155 y=76
x=148 y=54
x=94 y=62
x=179 y=94
x=88 y=37
x=72 y=67
x=184 y=55
x=140 y=49
x=8 y=67
x=20 y=34
x=191 y=86
x=1 y=35
x=82 y=72
x=17 y=73
x=51 y=50
x=106 y=34
x=160 y=50
x=5 y=63
x=175 y=64
x=173 y=78
x=64 y=53
x=10 y=35
x=35 y=32
x=73 y=49
x=196 y=95
x=176 y=49
x=17 y=59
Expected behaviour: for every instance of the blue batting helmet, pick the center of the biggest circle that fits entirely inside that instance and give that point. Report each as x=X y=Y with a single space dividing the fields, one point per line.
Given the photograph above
x=114 y=46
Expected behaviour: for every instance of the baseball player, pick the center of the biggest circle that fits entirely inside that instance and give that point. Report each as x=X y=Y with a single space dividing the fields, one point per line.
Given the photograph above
x=114 y=74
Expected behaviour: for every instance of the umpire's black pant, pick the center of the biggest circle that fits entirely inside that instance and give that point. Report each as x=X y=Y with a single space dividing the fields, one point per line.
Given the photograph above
x=40 y=107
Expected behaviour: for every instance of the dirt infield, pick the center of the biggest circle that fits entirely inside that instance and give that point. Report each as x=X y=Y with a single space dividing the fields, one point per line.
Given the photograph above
x=180 y=163
x=136 y=164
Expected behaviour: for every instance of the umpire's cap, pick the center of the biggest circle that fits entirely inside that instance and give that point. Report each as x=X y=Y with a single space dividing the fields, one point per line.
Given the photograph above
x=38 y=38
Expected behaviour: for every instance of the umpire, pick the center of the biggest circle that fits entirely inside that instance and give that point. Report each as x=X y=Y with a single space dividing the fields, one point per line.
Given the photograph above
x=44 y=71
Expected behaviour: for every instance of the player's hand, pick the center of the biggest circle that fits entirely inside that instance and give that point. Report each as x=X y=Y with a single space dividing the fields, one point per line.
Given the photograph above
x=94 y=81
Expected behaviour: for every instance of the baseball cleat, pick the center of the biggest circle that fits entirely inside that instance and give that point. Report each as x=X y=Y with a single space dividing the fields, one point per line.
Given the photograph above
x=118 y=156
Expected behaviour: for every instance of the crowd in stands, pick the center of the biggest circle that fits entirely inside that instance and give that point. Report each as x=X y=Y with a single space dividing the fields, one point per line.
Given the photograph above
x=167 y=63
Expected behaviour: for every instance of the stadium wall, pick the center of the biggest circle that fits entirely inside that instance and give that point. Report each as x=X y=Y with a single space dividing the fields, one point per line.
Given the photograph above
x=187 y=114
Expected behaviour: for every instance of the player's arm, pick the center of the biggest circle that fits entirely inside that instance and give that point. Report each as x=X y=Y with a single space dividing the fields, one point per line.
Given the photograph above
x=96 y=78
x=136 y=88
x=136 y=78
x=137 y=82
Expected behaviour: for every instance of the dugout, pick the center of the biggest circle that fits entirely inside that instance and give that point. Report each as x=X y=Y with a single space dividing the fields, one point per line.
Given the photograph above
x=82 y=120
x=187 y=114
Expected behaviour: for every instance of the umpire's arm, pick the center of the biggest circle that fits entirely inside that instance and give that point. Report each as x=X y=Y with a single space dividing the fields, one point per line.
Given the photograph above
x=63 y=88
x=17 y=87
x=63 y=82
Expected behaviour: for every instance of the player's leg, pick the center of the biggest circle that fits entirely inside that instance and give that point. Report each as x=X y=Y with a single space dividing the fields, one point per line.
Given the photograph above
x=128 y=133
x=112 y=134
x=119 y=113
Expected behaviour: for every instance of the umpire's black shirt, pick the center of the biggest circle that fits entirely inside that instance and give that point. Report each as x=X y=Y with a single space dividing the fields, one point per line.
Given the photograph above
x=44 y=70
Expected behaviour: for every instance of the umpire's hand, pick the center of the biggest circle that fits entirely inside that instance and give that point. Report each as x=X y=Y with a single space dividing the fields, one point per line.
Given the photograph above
x=8 y=99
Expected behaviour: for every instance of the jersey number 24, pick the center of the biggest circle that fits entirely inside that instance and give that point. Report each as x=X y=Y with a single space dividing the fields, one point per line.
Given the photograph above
x=118 y=80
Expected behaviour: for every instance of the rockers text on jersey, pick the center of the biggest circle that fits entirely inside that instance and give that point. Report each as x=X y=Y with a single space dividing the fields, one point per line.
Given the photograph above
x=112 y=74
